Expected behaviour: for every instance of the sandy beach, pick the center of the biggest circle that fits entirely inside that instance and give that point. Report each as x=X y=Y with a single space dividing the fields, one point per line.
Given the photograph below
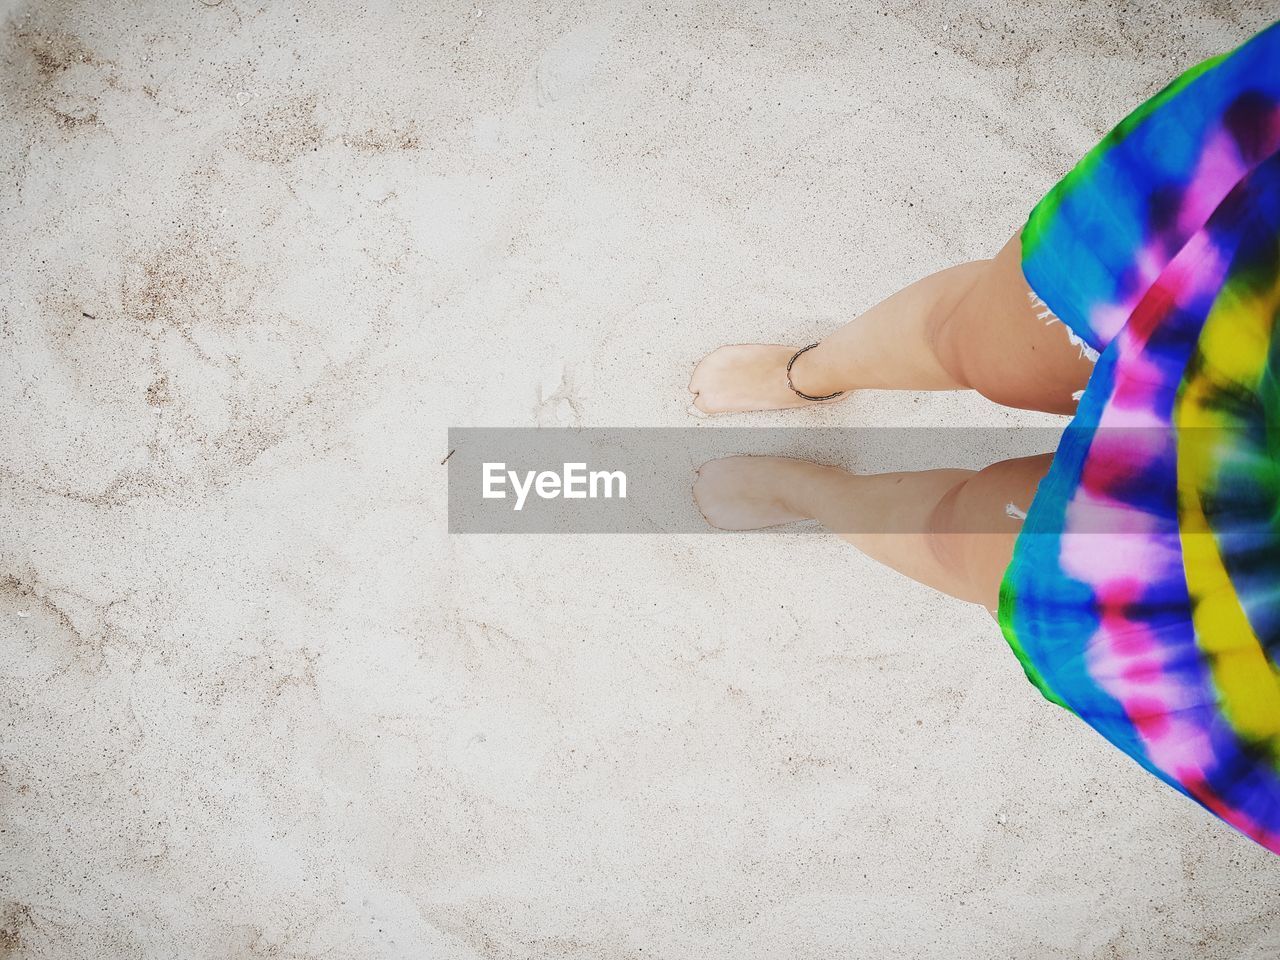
x=258 y=702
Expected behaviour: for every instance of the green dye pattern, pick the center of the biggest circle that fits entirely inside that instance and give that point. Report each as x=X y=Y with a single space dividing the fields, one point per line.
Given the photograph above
x=1005 y=616
x=1044 y=212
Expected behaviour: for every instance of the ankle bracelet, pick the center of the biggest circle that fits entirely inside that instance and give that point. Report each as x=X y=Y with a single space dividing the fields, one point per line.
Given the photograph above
x=800 y=393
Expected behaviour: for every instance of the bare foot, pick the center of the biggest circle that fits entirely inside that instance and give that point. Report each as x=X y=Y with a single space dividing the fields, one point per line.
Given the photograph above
x=752 y=376
x=747 y=493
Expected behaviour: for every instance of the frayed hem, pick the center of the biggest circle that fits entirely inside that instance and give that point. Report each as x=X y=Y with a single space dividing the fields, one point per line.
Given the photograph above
x=1048 y=316
x=1014 y=512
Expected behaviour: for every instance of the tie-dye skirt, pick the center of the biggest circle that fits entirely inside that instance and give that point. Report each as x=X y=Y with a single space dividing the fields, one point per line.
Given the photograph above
x=1144 y=591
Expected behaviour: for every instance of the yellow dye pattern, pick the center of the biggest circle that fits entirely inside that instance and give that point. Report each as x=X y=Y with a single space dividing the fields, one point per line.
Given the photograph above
x=1233 y=350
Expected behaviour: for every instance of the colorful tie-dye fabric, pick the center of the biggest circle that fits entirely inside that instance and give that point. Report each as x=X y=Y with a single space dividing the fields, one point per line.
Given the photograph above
x=1144 y=591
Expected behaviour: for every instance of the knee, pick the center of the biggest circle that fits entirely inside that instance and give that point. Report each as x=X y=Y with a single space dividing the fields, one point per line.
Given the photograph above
x=953 y=322
x=958 y=541
x=943 y=532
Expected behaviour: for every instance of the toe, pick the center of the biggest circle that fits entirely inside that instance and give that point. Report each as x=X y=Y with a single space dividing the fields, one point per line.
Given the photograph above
x=699 y=500
x=699 y=372
x=703 y=405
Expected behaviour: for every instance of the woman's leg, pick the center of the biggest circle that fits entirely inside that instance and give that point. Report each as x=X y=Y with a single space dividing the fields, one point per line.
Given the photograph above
x=948 y=529
x=973 y=326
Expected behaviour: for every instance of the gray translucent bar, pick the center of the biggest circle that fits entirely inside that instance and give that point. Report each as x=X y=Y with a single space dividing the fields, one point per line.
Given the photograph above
x=531 y=490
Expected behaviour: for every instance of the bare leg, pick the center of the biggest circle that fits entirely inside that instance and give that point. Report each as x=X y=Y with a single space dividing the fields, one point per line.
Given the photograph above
x=948 y=529
x=971 y=326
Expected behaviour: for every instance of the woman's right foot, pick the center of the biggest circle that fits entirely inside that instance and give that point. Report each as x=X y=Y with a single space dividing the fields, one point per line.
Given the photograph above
x=750 y=493
x=751 y=376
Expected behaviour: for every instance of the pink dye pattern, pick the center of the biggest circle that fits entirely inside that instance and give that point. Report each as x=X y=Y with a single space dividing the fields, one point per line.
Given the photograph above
x=1130 y=552
x=1219 y=170
x=1212 y=184
x=1194 y=780
x=1124 y=655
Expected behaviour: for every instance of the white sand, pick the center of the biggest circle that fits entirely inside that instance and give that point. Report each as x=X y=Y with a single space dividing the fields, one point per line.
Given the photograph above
x=257 y=703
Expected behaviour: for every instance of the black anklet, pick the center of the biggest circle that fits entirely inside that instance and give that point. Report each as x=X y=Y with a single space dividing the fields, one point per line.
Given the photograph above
x=801 y=393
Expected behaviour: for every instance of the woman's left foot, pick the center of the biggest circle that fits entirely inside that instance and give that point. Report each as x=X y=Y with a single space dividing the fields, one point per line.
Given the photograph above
x=748 y=493
x=751 y=376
